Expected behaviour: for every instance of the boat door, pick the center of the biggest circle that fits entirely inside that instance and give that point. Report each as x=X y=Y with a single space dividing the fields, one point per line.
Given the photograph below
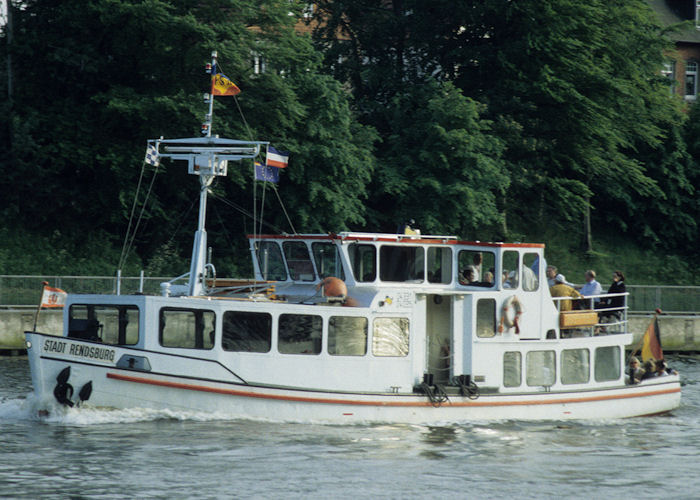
x=439 y=347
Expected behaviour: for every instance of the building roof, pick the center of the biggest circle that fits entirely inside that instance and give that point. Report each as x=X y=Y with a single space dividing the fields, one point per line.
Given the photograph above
x=672 y=12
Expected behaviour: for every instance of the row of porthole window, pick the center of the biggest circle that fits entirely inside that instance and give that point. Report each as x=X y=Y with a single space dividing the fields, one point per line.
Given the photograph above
x=574 y=367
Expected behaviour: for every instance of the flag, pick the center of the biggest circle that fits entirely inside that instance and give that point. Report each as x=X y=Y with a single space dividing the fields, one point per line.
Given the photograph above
x=651 y=346
x=276 y=158
x=265 y=173
x=221 y=85
x=53 y=297
x=152 y=157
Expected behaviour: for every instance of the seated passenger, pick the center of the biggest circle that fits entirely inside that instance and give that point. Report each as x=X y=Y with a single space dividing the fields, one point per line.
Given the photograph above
x=561 y=289
x=649 y=368
x=467 y=276
x=636 y=372
x=662 y=369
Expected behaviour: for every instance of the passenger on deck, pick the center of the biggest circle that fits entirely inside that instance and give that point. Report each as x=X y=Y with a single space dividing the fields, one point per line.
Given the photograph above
x=635 y=372
x=662 y=369
x=591 y=287
x=615 y=304
x=649 y=368
x=467 y=276
x=551 y=273
x=561 y=289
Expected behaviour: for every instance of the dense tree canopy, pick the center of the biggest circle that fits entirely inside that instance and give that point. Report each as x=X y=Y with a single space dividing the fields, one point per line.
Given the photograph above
x=495 y=119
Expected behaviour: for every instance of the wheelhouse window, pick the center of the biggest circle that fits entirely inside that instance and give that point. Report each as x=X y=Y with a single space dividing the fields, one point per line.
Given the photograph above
x=271 y=261
x=607 y=363
x=476 y=268
x=115 y=325
x=299 y=334
x=510 y=269
x=347 y=336
x=187 y=328
x=486 y=318
x=575 y=366
x=244 y=331
x=691 y=80
x=512 y=369
x=541 y=369
x=298 y=261
x=363 y=259
x=531 y=270
x=401 y=263
x=327 y=260
x=439 y=265
x=390 y=337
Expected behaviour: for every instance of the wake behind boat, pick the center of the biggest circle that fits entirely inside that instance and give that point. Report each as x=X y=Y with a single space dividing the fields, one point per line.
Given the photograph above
x=344 y=328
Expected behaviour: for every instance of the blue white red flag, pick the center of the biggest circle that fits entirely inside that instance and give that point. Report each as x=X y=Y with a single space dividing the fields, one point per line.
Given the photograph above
x=275 y=158
x=265 y=173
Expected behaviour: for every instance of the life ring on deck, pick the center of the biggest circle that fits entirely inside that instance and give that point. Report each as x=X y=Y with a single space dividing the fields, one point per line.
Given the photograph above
x=514 y=304
x=332 y=287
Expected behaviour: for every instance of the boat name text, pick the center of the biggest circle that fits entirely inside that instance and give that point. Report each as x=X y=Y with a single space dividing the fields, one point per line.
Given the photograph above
x=84 y=351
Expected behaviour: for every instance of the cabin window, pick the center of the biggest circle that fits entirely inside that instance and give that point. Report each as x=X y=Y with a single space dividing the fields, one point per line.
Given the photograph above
x=363 y=259
x=114 y=325
x=298 y=261
x=299 y=334
x=575 y=366
x=486 y=318
x=541 y=369
x=244 y=331
x=327 y=260
x=531 y=271
x=270 y=261
x=510 y=269
x=607 y=363
x=390 y=337
x=439 y=265
x=187 y=328
x=476 y=268
x=512 y=369
x=347 y=336
x=401 y=263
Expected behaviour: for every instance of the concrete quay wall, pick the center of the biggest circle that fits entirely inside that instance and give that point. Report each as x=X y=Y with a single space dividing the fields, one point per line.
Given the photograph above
x=678 y=333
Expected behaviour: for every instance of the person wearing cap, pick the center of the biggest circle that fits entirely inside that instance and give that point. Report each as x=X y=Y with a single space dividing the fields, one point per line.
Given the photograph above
x=562 y=289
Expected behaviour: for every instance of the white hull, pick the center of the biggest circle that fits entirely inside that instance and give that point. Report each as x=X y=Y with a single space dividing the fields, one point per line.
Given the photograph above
x=124 y=388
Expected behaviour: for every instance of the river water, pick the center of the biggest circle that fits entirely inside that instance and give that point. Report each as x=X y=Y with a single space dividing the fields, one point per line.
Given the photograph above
x=89 y=453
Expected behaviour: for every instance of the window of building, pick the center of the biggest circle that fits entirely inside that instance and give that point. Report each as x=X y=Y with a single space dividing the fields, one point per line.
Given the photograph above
x=390 y=337
x=327 y=260
x=531 y=271
x=512 y=369
x=298 y=261
x=575 y=366
x=115 y=325
x=510 y=269
x=271 y=261
x=244 y=331
x=363 y=259
x=401 y=263
x=439 y=265
x=691 y=80
x=607 y=363
x=486 y=318
x=697 y=14
x=541 y=369
x=347 y=336
x=299 y=334
x=476 y=268
x=669 y=72
x=187 y=328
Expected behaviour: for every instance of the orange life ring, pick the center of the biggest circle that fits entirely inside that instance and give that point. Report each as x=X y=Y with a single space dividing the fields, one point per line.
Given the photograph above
x=332 y=287
x=513 y=303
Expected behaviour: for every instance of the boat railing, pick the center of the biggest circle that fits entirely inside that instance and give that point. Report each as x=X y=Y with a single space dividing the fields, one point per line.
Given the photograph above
x=593 y=315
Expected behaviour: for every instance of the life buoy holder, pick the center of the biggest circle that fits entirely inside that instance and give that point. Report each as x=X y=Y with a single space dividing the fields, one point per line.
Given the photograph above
x=513 y=303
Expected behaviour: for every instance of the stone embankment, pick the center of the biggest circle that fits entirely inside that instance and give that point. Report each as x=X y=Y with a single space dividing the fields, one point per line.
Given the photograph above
x=678 y=333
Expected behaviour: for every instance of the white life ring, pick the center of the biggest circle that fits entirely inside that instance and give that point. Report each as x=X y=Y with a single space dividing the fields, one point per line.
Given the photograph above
x=509 y=319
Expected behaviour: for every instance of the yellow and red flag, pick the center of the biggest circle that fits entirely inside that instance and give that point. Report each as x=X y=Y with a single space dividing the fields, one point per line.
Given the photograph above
x=221 y=85
x=651 y=342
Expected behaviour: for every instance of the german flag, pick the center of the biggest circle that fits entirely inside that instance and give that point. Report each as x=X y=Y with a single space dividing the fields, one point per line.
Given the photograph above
x=651 y=346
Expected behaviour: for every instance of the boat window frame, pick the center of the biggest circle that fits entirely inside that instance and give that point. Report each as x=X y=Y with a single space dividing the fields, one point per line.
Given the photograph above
x=92 y=324
x=332 y=337
x=292 y=269
x=316 y=340
x=405 y=341
x=414 y=265
x=199 y=332
x=356 y=254
x=565 y=364
x=258 y=253
x=224 y=340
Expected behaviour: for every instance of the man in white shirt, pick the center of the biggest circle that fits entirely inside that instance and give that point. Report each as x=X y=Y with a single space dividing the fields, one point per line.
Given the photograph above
x=591 y=287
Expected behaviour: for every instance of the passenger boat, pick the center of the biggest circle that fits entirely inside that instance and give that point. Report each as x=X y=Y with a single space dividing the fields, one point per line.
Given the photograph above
x=344 y=328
